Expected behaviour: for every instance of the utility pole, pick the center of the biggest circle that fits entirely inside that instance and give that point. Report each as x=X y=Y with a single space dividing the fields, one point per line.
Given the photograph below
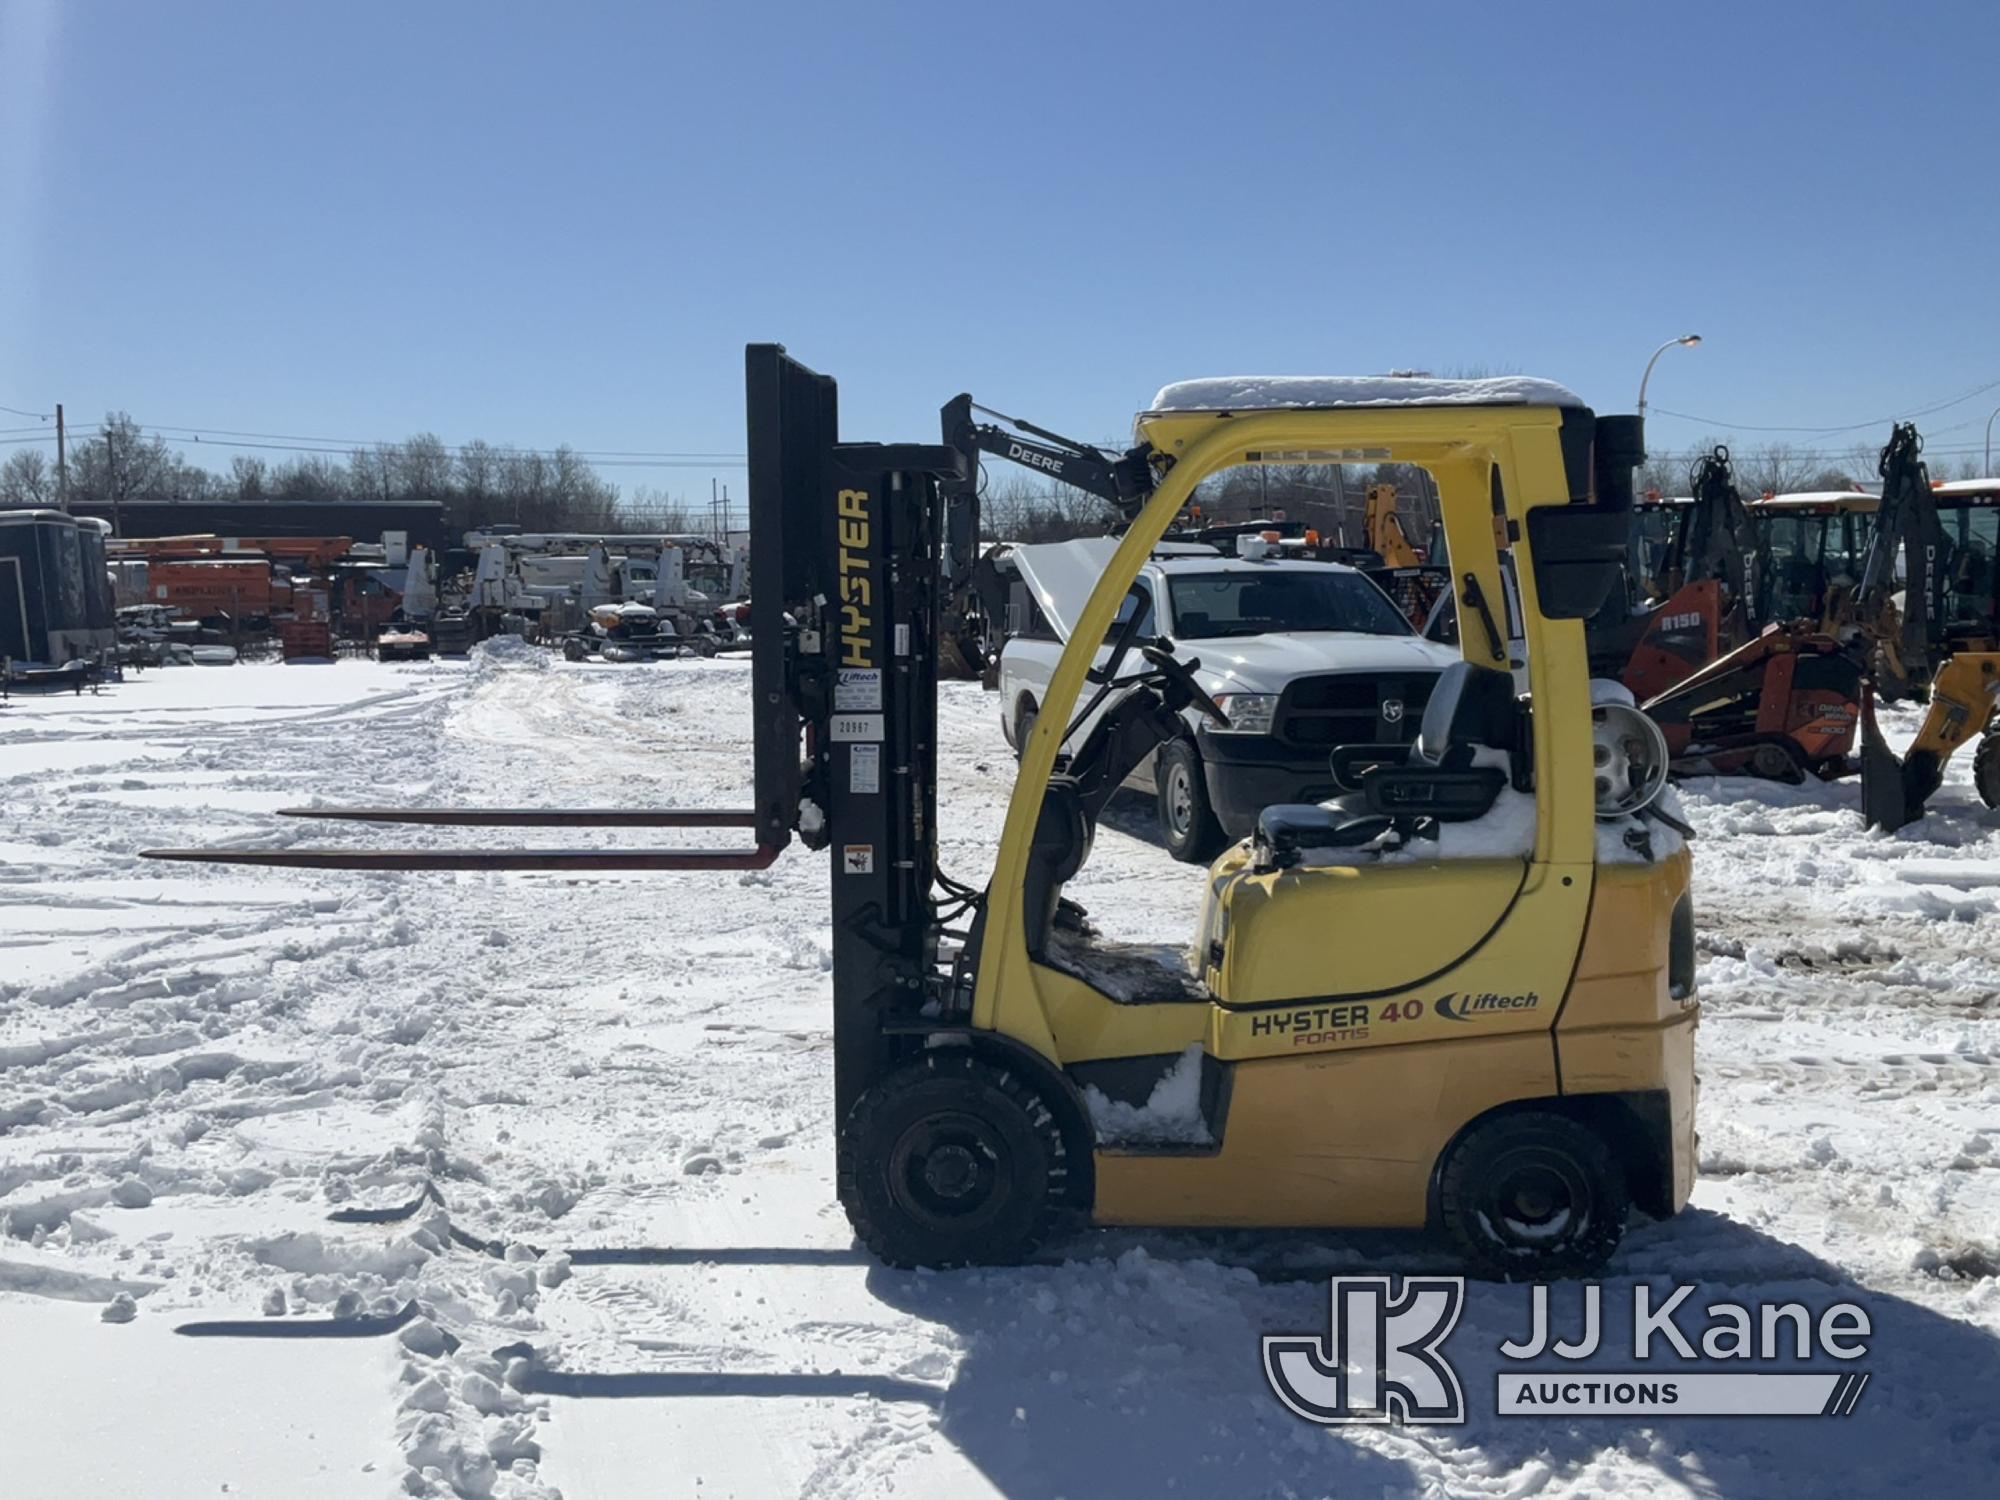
x=62 y=464
x=111 y=464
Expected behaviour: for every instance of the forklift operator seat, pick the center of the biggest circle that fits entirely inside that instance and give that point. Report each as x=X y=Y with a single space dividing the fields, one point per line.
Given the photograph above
x=1471 y=707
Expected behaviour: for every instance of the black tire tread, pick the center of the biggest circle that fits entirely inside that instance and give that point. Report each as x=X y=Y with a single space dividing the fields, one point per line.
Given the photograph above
x=904 y=1245
x=1025 y=714
x=1986 y=768
x=1578 y=1258
x=1206 y=839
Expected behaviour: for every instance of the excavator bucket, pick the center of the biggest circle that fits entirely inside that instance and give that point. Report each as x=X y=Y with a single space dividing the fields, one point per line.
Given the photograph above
x=1886 y=793
x=1894 y=792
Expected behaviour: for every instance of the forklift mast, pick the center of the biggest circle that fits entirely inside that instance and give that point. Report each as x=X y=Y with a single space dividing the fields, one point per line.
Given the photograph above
x=847 y=544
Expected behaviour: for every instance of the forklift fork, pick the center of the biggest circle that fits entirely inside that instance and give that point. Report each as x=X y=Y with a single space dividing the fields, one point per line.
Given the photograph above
x=756 y=858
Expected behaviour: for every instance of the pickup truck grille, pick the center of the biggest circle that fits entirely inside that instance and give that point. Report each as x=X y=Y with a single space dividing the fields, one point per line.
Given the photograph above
x=1353 y=708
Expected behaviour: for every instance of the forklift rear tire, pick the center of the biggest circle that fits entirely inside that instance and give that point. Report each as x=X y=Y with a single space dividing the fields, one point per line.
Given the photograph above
x=1986 y=768
x=575 y=650
x=952 y=1161
x=1187 y=818
x=1531 y=1195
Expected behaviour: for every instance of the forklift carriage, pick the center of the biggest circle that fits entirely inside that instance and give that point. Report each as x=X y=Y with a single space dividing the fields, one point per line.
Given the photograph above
x=1370 y=1036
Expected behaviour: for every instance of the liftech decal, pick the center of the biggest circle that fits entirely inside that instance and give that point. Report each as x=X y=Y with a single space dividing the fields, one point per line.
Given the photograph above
x=1456 y=1007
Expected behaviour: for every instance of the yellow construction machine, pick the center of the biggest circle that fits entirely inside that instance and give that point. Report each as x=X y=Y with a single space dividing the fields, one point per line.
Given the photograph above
x=1460 y=996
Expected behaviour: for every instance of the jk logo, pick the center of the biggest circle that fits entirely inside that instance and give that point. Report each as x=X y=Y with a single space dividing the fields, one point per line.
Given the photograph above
x=1379 y=1359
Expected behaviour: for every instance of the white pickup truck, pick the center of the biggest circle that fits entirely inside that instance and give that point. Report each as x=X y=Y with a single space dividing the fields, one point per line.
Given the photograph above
x=1302 y=656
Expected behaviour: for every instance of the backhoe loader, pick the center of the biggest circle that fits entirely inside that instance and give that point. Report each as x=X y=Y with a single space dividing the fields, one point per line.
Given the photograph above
x=1940 y=640
x=1454 y=997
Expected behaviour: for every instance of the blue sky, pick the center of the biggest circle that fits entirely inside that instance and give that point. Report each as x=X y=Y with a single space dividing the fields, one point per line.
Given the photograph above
x=545 y=223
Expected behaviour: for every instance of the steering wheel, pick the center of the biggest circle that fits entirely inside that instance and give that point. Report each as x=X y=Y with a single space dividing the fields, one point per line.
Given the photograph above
x=1181 y=674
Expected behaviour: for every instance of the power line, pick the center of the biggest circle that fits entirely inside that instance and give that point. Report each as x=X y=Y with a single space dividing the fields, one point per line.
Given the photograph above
x=37 y=415
x=495 y=448
x=321 y=443
x=1922 y=411
x=590 y=458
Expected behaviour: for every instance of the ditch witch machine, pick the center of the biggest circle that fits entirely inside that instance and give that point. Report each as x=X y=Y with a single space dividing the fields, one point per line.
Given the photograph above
x=1500 y=1047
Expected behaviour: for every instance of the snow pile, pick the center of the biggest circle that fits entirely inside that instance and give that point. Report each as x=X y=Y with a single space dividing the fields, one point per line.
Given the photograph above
x=1326 y=392
x=510 y=651
x=1171 y=1114
x=198 y=1064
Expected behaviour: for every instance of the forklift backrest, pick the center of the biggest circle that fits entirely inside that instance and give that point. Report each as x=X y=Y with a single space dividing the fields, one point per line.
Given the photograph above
x=793 y=421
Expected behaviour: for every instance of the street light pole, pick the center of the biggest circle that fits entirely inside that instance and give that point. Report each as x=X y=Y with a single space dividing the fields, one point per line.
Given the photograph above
x=1989 y=442
x=1685 y=341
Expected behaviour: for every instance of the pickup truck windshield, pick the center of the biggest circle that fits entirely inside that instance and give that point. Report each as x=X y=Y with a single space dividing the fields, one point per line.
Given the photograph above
x=1207 y=605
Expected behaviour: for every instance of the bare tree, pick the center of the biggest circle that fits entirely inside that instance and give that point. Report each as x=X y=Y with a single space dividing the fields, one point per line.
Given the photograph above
x=1775 y=469
x=250 y=477
x=477 y=475
x=479 y=485
x=422 y=469
x=371 y=472
x=650 y=509
x=122 y=464
x=1016 y=509
x=27 y=479
x=306 y=479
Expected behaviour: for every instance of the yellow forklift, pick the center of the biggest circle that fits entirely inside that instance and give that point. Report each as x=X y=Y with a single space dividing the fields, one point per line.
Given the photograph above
x=1375 y=1027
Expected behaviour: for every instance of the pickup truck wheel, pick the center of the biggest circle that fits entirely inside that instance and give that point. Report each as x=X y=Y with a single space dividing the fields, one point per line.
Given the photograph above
x=1187 y=820
x=1024 y=725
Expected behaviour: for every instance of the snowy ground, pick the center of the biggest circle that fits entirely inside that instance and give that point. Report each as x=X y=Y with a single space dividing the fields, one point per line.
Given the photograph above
x=197 y=1065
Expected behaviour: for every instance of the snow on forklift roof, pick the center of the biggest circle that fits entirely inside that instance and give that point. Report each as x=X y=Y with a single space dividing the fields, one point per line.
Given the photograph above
x=1323 y=392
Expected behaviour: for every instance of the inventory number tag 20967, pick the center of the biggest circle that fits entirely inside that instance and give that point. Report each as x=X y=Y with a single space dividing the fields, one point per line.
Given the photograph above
x=847 y=728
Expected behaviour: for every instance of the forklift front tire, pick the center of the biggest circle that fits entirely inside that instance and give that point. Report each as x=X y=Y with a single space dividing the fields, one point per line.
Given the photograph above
x=1187 y=818
x=1531 y=1195
x=952 y=1161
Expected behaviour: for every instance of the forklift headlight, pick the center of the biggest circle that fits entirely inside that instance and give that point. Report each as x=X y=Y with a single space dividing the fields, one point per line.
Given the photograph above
x=1249 y=713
